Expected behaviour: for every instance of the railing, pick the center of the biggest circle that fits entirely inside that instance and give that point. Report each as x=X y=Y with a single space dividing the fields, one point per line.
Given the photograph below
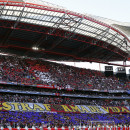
x=69 y=128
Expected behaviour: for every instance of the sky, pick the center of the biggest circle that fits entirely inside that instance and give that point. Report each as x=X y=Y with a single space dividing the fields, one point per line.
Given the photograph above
x=118 y=10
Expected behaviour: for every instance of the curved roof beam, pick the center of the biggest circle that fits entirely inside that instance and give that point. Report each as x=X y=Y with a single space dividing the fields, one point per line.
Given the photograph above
x=66 y=20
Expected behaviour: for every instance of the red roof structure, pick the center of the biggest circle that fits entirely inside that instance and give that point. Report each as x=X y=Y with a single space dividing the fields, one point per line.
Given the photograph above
x=58 y=34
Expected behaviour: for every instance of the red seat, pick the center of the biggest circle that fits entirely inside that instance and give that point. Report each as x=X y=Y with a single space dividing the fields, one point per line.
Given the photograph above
x=5 y=129
x=37 y=129
x=52 y=128
x=45 y=128
x=14 y=129
x=59 y=128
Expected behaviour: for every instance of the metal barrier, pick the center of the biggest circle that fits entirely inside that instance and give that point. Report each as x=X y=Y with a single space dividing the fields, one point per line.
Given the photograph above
x=70 y=128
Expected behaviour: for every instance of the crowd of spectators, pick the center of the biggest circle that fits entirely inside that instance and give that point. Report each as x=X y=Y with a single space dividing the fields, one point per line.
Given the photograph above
x=61 y=100
x=37 y=119
x=39 y=91
x=39 y=72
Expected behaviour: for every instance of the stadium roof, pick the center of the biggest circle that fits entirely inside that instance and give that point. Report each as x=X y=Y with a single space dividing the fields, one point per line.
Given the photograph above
x=59 y=34
x=122 y=26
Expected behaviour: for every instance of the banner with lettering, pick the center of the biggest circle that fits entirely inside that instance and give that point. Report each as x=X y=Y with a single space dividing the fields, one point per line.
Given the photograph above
x=39 y=107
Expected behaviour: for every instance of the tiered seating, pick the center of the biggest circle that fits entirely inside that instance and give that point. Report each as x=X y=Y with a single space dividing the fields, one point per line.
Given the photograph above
x=36 y=119
x=40 y=73
x=32 y=118
x=61 y=100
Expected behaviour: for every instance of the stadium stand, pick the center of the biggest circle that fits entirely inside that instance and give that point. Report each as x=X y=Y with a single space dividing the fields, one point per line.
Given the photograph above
x=28 y=86
x=43 y=73
x=61 y=100
x=36 y=94
x=30 y=119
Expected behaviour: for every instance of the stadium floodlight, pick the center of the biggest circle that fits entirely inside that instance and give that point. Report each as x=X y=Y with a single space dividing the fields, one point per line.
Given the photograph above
x=35 y=48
